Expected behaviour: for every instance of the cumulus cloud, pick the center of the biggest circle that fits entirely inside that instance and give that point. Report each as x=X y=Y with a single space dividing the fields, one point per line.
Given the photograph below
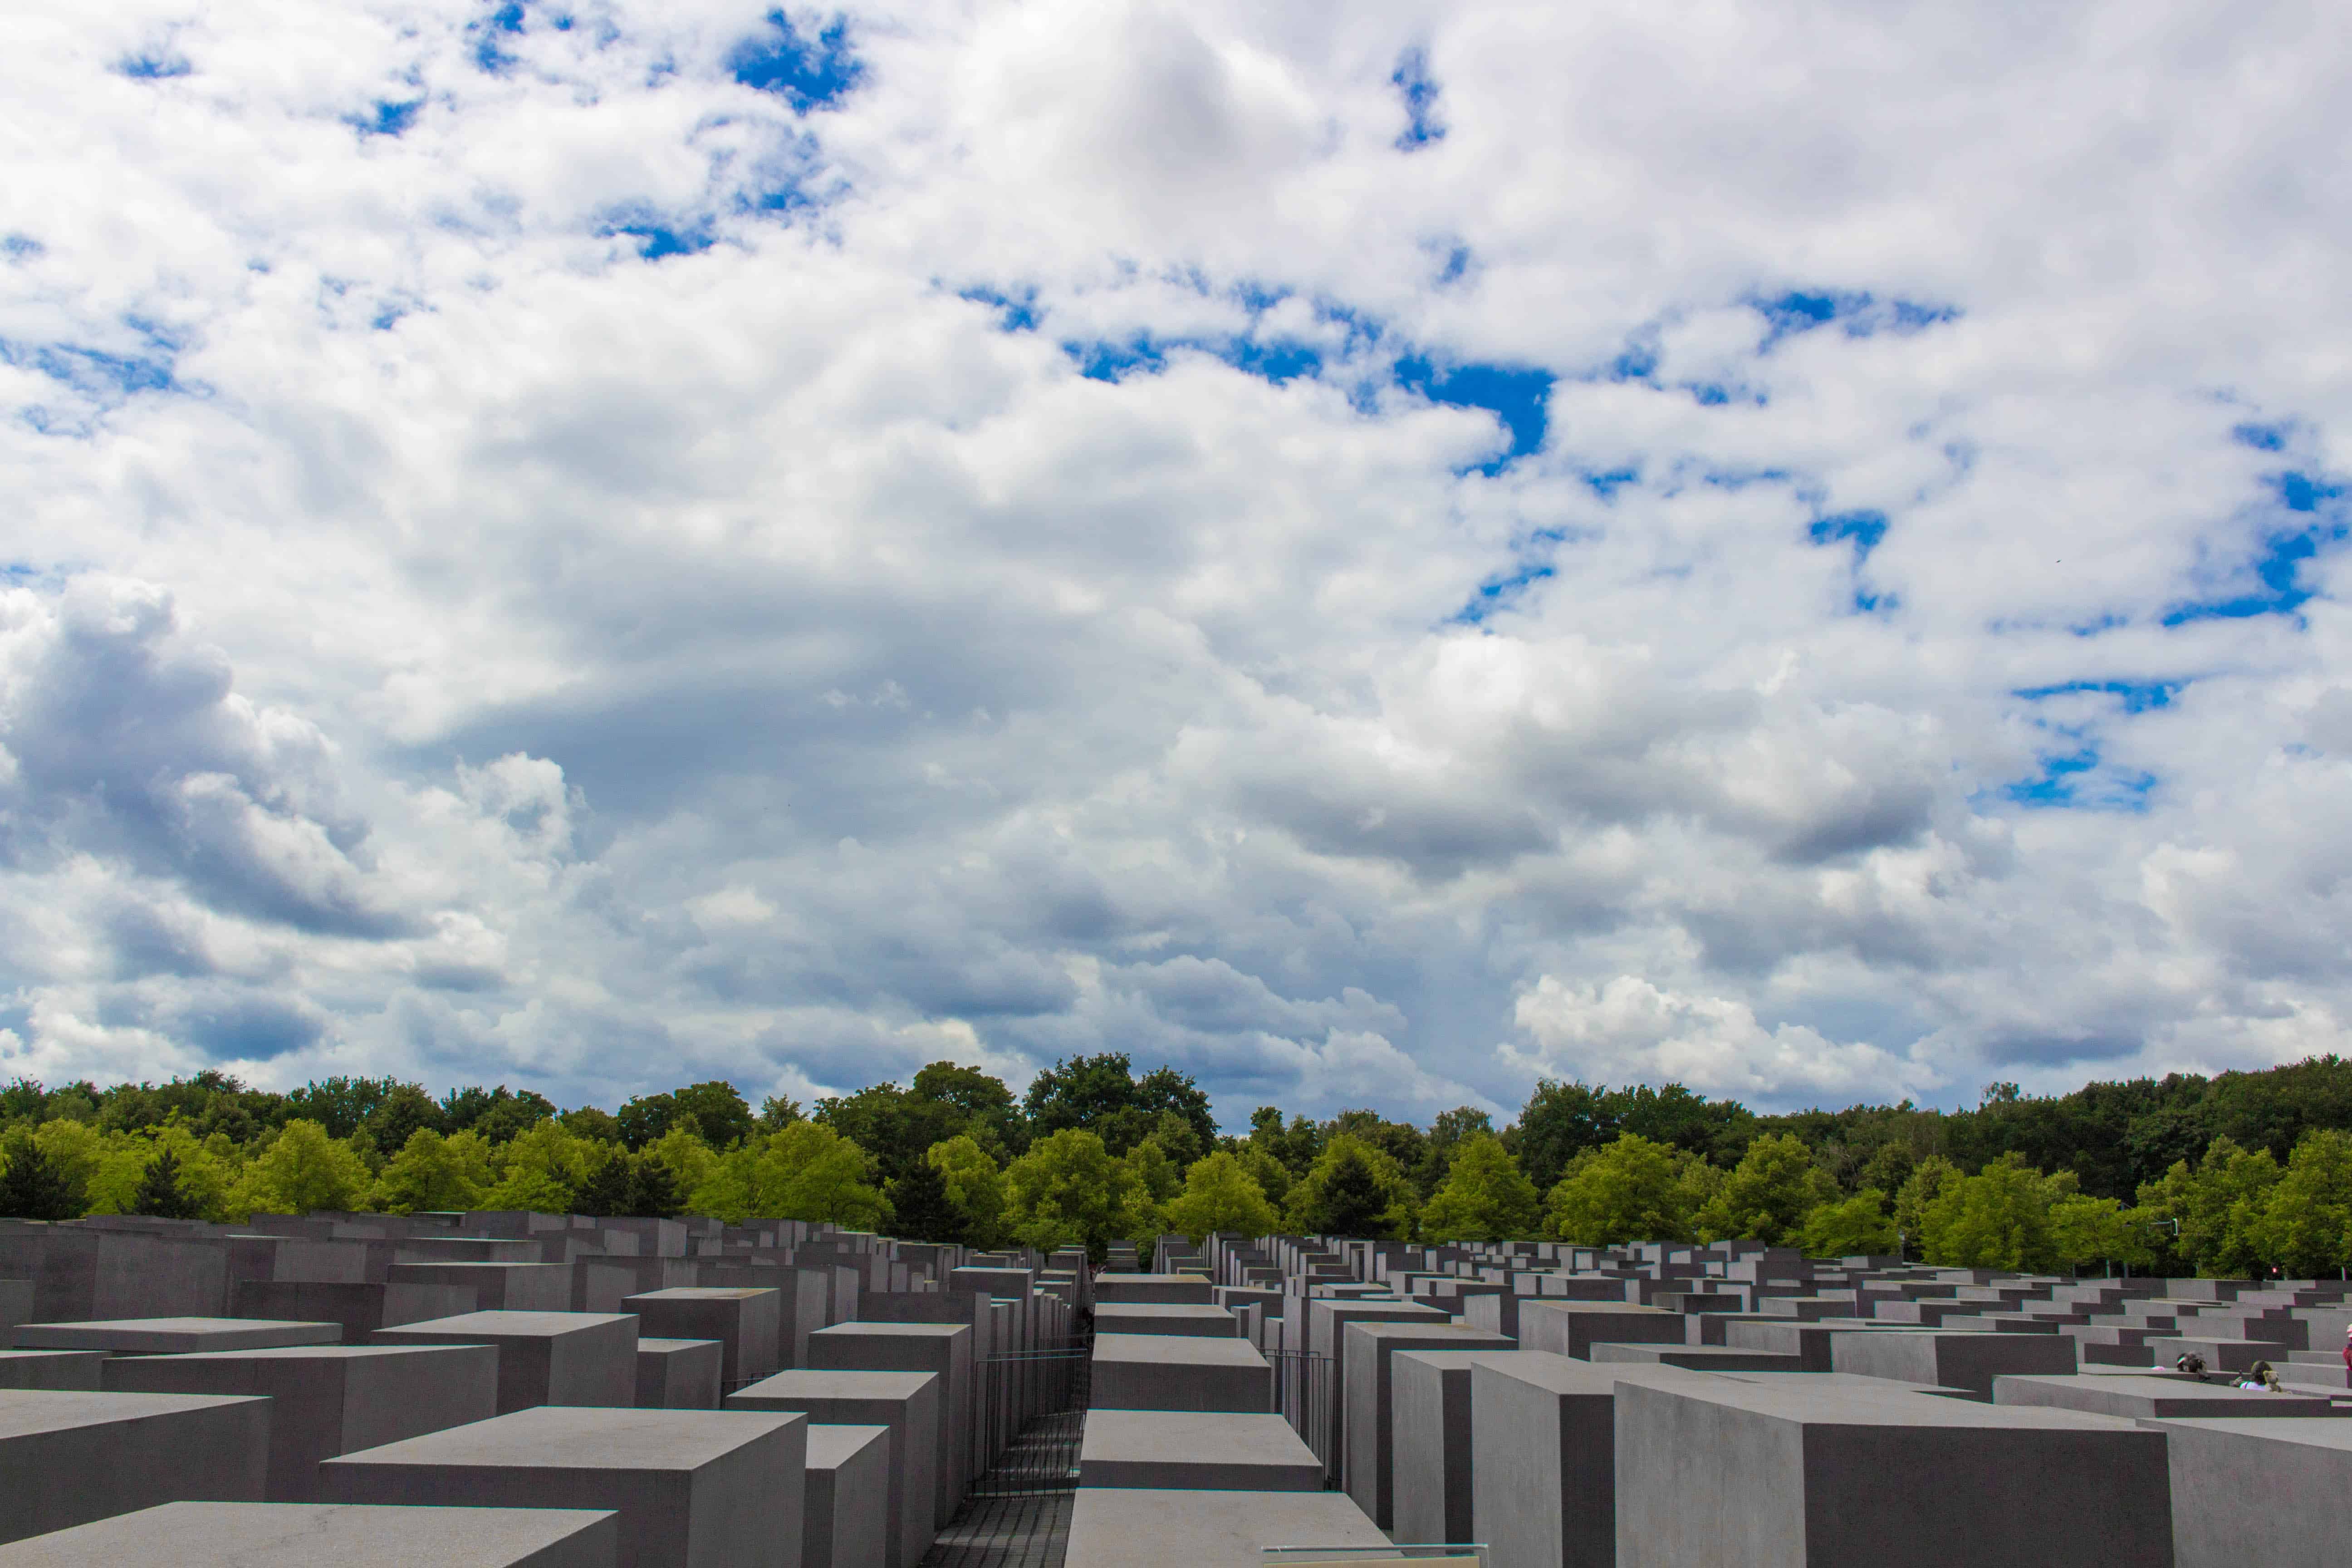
x=1370 y=552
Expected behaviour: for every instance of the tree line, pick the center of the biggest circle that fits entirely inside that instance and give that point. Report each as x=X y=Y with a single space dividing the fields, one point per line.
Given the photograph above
x=2232 y=1175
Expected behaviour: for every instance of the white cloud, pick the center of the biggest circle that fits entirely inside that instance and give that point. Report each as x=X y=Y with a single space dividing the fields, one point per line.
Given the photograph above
x=526 y=562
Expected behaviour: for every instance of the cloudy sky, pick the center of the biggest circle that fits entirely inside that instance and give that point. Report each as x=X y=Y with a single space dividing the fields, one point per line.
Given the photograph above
x=1371 y=551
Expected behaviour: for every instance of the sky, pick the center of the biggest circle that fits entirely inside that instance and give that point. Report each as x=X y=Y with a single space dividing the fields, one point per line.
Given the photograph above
x=1373 y=553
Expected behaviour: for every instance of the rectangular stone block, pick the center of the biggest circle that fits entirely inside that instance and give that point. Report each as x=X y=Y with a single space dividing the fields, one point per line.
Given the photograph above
x=16 y=1307
x=846 y=1511
x=1696 y=1358
x=1164 y=1317
x=1365 y=1416
x=1195 y=1450
x=905 y=1402
x=173 y=1336
x=1951 y=1361
x=544 y=1358
x=1180 y=1372
x=1573 y=1328
x=1542 y=1434
x=497 y=1286
x=1119 y=1527
x=746 y=1321
x=944 y=1348
x=1155 y=1290
x=2220 y=1355
x=59 y=1371
x=2153 y=1398
x=358 y=1308
x=678 y=1375
x=329 y=1535
x=2246 y=1490
x=67 y=1459
x=327 y=1400
x=694 y=1488
x=1432 y=1449
x=1749 y=1472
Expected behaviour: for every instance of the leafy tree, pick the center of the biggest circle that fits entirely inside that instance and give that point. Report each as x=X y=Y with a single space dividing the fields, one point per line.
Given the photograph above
x=1294 y=1147
x=435 y=1174
x=1101 y=1093
x=606 y=1191
x=1632 y=1189
x=990 y=1114
x=399 y=1111
x=1768 y=1194
x=1446 y=1132
x=338 y=1105
x=79 y=1152
x=1353 y=1189
x=2307 y=1221
x=1274 y=1178
x=806 y=1172
x=540 y=1168
x=600 y=1126
x=1219 y=1194
x=1919 y=1193
x=31 y=1185
x=2085 y=1229
x=1998 y=1219
x=1484 y=1198
x=2222 y=1203
x=680 y=1153
x=975 y=1189
x=497 y=1116
x=303 y=1170
x=1068 y=1190
x=921 y=1209
x=160 y=1193
x=1860 y=1226
x=777 y=1112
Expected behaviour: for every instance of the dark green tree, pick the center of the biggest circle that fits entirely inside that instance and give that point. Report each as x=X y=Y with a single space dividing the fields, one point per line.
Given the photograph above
x=920 y=1209
x=32 y=1188
x=160 y=1193
x=1352 y=1203
x=653 y=1191
x=605 y=1193
x=404 y=1108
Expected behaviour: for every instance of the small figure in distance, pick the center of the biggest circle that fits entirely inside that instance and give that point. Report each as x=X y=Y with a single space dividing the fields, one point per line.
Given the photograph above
x=2259 y=1378
x=2194 y=1364
x=2347 y=1347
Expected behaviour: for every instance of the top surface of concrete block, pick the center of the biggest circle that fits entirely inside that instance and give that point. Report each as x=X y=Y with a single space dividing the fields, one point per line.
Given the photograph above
x=1189 y=1350
x=510 y=1325
x=2152 y=1398
x=862 y=1328
x=173 y=1336
x=2335 y=1437
x=1168 y=1288
x=307 y=1535
x=824 y=1382
x=1120 y=1527
x=24 y=1411
x=1196 y=1449
x=830 y=1447
x=579 y=1438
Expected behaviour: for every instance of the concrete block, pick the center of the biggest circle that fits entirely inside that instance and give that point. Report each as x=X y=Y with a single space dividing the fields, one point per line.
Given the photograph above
x=1366 y=1419
x=694 y=1488
x=544 y=1358
x=16 y=1307
x=327 y=1400
x=1814 y=1344
x=307 y=1535
x=1573 y=1328
x=945 y=1347
x=359 y=1307
x=173 y=1336
x=1118 y=1527
x=57 y=1371
x=1746 y=1472
x=1180 y=1372
x=2220 y=1355
x=1164 y=1317
x=1195 y=1450
x=1696 y=1358
x=1155 y=1290
x=497 y=1286
x=2153 y=1398
x=1430 y=1448
x=1951 y=1361
x=905 y=1402
x=847 y=1508
x=67 y=1459
x=1542 y=1484
x=747 y=1323
x=678 y=1375
x=2252 y=1490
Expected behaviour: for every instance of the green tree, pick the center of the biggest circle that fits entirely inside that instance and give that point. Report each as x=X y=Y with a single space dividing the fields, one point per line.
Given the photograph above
x=688 y=1162
x=1274 y=1178
x=587 y=1121
x=1917 y=1193
x=434 y=1174
x=1998 y=1219
x=805 y=1172
x=400 y=1109
x=2222 y=1203
x=1768 y=1194
x=541 y=1169
x=31 y=1185
x=160 y=1193
x=1860 y=1226
x=2085 y=1230
x=1293 y=1147
x=1219 y=1194
x=777 y=1113
x=2307 y=1220
x=1353 y=1189
x=302 y=1171
x=1483 y=1197
x=921 y=1209
x=975 y=1189
x=1068 y=1190
x=1102 y=1094
x=606 y=1192
x=1630 y=1189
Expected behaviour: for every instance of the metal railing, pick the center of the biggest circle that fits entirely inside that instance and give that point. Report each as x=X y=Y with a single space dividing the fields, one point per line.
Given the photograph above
x=1029 y=1416
x=1305 y=1396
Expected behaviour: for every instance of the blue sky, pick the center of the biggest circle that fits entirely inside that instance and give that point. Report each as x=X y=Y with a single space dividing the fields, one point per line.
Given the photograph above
x=1375 y=553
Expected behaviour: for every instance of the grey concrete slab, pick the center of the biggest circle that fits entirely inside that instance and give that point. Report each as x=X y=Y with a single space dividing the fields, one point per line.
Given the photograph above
x=358 y=1306
x=1366 y=1419
x=1573 y=1328
x=1180 y=1372
x=16 y=1307
x=2220 y=1355
x=2246 y=1489
x=1165 y=1318
x=173 y=1336
x=327 y=1400
x=544 y=1358
x=2153 y=1398
x=694 y=1488
x=1746 y=1472
x=1120 y=1527
x=945 y=1347
x=1698 y=1358
x=678 y=1375
x=56 y=1370
x=1431 y=1446
x=1814 y=1344
x=846 y=1511
x=746 y=1322
x=1543 y=1444
x=345 y=1535
x=497 y=1286
x=1119 y=1290
x=1195 y=1450
x=68 y=1457
x=905 y=1402
x=1949 y=1360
